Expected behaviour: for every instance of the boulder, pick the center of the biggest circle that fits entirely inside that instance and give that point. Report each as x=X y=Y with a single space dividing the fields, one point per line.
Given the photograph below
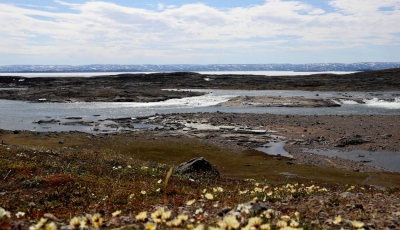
x=354 y=140
x=197 y=168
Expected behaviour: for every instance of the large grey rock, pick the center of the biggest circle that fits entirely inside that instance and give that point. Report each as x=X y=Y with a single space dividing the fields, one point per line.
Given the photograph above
x=198 y=167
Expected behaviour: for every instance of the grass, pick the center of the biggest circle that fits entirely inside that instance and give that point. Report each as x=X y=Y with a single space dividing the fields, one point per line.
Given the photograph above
x=87 y=174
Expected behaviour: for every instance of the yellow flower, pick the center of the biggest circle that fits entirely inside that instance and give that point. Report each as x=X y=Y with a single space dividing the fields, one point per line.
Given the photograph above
x=97 y=220
x=166 y=215
x=75 y=222
x=158 y=221
x=297 y=215
x=231 y=222
x=220 y=189
x=158 y=190
x=357 y=224
x=265 y=227
x=41 y=223
x=281 y=224
x=141 y=216
x=159 y=181
x=50 y=226
x=285 y=218
x=269 y=213
x=183 y=217
x=84 y=222
x=337 y=220
x=214 y=228
x=209 y=196
x=150 y=226
x=294 y=224
x=270 y=193
x=190 y=202
x=199 y=227
x=222 y=224
x=116 y=213
x=157 y=214
x=143 y=192
x=174 y=223
x=255 y=222
x=243 y=192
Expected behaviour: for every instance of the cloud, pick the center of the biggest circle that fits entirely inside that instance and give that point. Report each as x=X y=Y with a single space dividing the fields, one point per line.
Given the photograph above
x=108 y=29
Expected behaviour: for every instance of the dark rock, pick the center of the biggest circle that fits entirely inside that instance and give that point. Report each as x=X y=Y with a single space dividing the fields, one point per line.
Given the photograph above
x=73 y=118
x=355 y=140
x=258 y=208
x=198 y=167
x=52 y=121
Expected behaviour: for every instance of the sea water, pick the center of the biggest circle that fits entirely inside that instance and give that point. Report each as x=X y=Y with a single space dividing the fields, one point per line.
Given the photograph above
x=22 y=115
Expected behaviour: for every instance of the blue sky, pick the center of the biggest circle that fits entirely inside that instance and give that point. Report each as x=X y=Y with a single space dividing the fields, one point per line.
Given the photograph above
x=198 y=32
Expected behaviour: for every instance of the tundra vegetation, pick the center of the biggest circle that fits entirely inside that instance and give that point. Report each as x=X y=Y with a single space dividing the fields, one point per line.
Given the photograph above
x=125 y=182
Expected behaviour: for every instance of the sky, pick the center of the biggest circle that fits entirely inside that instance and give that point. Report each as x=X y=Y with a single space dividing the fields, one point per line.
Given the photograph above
x=80 y=32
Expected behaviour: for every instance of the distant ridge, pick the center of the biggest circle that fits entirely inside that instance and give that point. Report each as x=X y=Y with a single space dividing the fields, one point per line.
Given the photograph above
x=312 y=67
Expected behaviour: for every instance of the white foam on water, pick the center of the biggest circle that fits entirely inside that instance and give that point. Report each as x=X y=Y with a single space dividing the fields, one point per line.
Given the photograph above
x=348 y=102
x=188 y=102
x=375 y=102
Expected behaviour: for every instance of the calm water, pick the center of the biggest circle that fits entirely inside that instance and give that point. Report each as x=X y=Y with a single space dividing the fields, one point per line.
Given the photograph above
x=384 y=159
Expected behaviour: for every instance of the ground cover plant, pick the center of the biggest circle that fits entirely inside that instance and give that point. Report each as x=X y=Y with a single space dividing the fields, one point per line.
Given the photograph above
x=79 y=181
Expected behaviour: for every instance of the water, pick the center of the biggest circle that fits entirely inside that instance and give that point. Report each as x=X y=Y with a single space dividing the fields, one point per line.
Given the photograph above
x=18 y=115
x=384 y=159
x=269 y=73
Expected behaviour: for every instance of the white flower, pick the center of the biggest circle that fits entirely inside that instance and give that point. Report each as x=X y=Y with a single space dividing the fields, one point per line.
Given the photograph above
x=337 y=220
x=75 y=222
x=357 y=224
x=255 y=222
x=231 y=222
x=20 y=214
x=199 y=211
x=141 y=216
x=4 y=213
x=116 y=213
x=190 y=202
x=209 y=196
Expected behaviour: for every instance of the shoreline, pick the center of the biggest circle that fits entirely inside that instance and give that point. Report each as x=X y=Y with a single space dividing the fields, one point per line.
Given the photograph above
x=251 y=131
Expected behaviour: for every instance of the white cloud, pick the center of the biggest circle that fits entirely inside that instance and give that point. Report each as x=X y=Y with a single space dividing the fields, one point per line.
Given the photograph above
x=111 y=30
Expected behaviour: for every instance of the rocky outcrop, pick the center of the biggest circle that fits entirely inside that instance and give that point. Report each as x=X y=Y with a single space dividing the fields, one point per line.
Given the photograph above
x=198 y=168
x=353 y=140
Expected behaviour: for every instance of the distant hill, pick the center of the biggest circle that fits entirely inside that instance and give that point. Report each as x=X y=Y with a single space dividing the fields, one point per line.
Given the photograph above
x=312 y=67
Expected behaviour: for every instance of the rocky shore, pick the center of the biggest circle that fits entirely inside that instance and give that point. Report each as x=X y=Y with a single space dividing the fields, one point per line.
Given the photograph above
x=250 y=131
x=149 y=87
x=262 y=101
